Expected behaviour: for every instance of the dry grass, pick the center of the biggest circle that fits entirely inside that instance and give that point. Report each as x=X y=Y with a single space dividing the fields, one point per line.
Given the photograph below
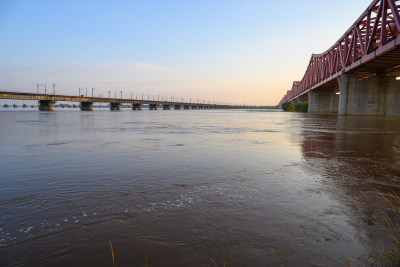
x=389 y=222
x=112 y=252
x=390 y=225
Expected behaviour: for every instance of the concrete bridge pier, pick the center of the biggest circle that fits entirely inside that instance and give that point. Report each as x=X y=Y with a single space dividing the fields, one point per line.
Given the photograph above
x=137 y=107
x=186 y=107
x=115 y=106
x=166 y=107
x=323 y=102
x=46 y=105
x=86 y=106
x=153 y=107
x=377 y=95
x=177 y=107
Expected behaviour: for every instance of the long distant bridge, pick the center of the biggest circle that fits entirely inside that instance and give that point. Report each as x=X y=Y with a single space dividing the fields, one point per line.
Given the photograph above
x=46 y=102
x=360 y=73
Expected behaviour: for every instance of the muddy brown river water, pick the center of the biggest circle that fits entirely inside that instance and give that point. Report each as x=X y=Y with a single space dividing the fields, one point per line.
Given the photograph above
x=186 y=188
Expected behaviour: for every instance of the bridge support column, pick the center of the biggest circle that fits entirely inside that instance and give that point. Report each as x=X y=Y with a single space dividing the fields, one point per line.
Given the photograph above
x=137 y=107
x=115 y=106
x=86 y=106
x=378 y=95
x=153 y=107
x=186 y=107
x=177 y=107
x=46 y=105
x=166 y=107
x=323 y=102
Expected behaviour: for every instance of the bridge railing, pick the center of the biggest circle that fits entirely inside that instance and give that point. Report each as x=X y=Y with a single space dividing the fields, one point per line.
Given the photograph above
x=375 y=32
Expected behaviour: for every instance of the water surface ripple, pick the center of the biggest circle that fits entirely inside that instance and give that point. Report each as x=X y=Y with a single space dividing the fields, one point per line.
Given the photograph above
x=184 y=187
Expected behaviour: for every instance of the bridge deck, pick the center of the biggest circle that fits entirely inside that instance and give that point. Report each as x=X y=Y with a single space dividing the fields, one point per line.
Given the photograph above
x=69 y=98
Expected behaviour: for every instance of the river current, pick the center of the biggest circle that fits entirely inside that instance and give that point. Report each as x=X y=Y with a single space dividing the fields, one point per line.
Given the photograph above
x=193 y=188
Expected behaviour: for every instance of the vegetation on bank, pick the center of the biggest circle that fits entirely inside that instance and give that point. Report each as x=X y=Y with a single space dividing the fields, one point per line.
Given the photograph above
x=299 y=107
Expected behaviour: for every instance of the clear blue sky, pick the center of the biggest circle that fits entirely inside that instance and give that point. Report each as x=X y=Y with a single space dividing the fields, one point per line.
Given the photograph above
x=232 y=51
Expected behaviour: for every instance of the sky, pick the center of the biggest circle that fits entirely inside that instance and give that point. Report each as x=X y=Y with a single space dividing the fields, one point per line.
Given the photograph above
x=237 y=52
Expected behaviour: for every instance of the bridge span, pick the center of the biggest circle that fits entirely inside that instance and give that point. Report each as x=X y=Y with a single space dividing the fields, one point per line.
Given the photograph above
x=47 y=101
x=360 y=73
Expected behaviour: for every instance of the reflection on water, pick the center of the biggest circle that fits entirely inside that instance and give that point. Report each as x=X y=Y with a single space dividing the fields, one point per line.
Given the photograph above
x=355 y=157
x=181 y=187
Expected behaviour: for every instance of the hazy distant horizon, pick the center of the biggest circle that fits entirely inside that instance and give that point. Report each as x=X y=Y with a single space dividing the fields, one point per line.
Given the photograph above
x=231 y=51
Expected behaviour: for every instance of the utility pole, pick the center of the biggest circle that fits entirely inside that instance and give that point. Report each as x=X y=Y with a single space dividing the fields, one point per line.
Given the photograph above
x=45 y=88
x=54 y=88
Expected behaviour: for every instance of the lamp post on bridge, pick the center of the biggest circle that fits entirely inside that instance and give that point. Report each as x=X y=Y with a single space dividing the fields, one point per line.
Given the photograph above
x=38 y=86
x=109 y=94
x=121 y=94
x=54 y=88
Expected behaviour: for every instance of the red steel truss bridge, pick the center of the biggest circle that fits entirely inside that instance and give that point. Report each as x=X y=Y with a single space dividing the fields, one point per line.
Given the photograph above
x=369 y=47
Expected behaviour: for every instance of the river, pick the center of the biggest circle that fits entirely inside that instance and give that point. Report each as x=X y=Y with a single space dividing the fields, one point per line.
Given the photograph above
x=193 y=188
